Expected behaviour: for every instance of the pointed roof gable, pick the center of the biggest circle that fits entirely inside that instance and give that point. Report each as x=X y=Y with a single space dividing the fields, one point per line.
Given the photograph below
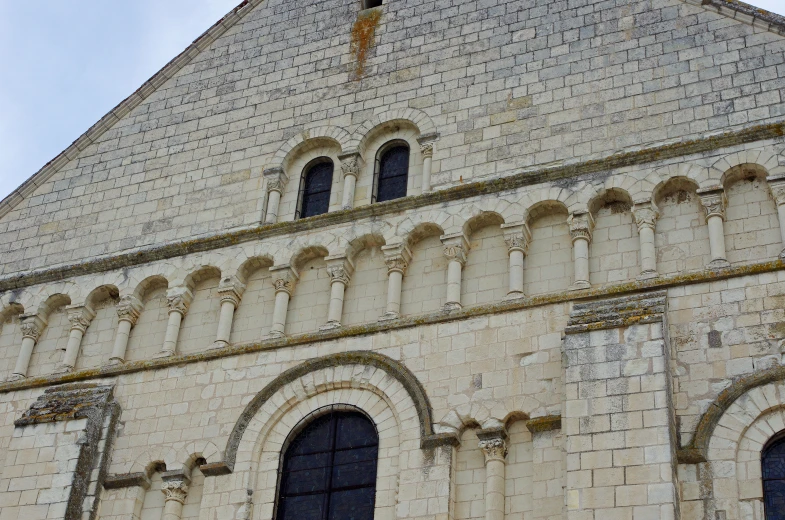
x=734 y=9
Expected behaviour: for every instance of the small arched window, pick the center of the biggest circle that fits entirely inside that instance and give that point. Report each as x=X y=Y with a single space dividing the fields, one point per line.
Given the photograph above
x=392 y=172
x=315 y=187
x=368 y=4
x=329 y=470
x=773 y=466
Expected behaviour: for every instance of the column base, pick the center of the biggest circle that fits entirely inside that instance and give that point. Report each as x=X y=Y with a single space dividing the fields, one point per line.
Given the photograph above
x=219 y=344
x=580 y=285
x=331 y=325
x=514 y=296
x=782 y=254
x=62 y=369
x=346 y=207
x=389 y=316
x=113 y=362
x=648 y=275
x=164 y=354
x=275 y=335
x=452 y=306
x=719 y=263
x=15 y=377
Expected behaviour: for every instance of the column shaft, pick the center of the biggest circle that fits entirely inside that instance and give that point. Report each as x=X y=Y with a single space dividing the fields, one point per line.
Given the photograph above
x=580 y=251
x=172 y=332
x=279 y=313
x=337 y=289
x=426 y=174
x=23 y=360
x=173 y=510
x=716 y=238
x=225 y=322
x=121 y=342
x=349 y=182
x=648 y=253
x=394 y=283
x=494 y=489
x=72 y=349
x=454 y=275
x=397 y=257
x=516 y=273
x=273 y=200
x=781 y=215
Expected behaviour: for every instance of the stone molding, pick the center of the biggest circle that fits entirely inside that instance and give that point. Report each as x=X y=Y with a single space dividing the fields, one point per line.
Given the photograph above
x=464 y=191
x=744 y=13
x=614 y=313
x=526 y=302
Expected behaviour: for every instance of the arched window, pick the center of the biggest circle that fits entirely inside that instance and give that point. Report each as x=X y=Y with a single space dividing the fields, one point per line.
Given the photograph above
x=392 y=172
x=315 y=188
x=773 y=462
x=329 y=470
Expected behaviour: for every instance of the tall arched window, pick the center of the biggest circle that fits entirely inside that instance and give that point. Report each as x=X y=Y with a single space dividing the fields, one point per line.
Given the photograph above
x=392 y=172
x=329 y=470
x=315 y=188
x=773 y=462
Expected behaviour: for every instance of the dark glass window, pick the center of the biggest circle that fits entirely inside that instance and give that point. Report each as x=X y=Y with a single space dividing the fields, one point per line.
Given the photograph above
x=315 y=188
x=329 y=470
x=367 y=4
x=773 y=462
x=392 y=173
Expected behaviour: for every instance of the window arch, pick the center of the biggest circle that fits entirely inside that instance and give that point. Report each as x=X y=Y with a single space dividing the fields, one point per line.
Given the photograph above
x=328 y=471
x=773 y=471
x=315 y=184
x=391 y=173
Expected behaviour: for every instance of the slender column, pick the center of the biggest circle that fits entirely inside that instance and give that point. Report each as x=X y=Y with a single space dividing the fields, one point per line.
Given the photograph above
x=32 y=327
x=581 y=227
x=340 y=269
x=350 y=167
x=175 y=491
x=426 y=149
x=276 y=183
x=178 y=299
x=645 y=218
x=397 y=258
x=284 y=280
x=455 y=248
x=493 y=444
x=231 y=291
x=777 y=187
x=517 y=237
x=80 y=318
x=128 y=310
x=714 y=202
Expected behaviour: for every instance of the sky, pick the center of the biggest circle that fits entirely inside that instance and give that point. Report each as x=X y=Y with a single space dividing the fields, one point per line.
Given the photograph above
x=67 y=63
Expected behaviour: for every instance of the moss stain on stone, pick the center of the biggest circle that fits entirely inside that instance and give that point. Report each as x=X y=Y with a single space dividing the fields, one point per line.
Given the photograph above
x=363 y=32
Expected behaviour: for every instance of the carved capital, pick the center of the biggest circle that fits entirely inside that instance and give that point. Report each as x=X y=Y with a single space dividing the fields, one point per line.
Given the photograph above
x=777 y=187
x=426 y=144
x=276 y=179
x=397 y=258
x=517 y=237
x=284 y=279
x=581 y=226
x=129 y=308
x=456 y=247
x=338 y=273
x=231 y=290
x=350 y=164
x=714 y=202
x=494 y=449
x=340 y=268
x=645 y=216
x=179 y=299
x=80 y=318
x=32 y=326
x=176 y=490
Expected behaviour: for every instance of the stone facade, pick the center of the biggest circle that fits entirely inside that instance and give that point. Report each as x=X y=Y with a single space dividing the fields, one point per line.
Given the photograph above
x=577 y=311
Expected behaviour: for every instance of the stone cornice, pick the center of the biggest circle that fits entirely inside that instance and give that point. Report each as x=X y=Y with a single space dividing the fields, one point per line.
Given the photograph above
x=121 y=110
x=745 y=13
x=610 y=290
x=464 y=191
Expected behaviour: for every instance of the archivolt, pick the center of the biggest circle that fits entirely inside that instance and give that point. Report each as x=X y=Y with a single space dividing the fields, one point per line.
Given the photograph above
x=391 y=367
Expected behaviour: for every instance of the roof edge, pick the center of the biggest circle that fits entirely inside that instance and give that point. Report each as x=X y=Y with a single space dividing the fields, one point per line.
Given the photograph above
x=168 y=71
x=745 y=13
